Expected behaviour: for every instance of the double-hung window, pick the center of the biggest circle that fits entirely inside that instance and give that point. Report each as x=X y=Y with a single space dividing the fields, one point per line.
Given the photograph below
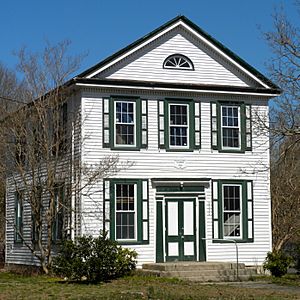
x=232 y=210
x=231 y=128
x=178 y=125
x=125 y=123
x=59 y=203
x=126 y=211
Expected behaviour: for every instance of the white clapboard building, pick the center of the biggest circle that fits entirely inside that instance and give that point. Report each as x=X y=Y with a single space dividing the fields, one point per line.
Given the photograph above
x=180 y=111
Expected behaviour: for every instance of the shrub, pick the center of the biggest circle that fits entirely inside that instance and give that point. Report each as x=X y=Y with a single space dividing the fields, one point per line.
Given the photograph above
x=277 y=263
x=93 y=259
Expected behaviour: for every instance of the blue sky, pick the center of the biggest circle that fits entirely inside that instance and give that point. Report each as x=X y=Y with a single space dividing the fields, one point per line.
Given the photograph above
x=102 y=27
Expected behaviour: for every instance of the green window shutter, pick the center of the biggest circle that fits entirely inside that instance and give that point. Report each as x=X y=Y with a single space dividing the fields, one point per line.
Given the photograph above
x=248 y=128
x=106 y=205
x=197 y=128
x=248 y=215
x=106 y=109
x=214 y=125
x=145 y=211
x=144 y=123
x=161 y=124
x=216 y=209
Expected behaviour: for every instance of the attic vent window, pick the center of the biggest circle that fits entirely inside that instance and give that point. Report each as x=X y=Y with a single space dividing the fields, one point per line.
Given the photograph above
x=178 y=61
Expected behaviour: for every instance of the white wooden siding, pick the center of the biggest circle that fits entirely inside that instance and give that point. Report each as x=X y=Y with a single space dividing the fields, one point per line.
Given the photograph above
x=146 y=64
x=204 y=163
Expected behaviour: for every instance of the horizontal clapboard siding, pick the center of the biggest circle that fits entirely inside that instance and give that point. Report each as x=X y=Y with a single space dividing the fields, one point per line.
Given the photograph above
x=146 y=64
x=18 y=253
x=204 y=163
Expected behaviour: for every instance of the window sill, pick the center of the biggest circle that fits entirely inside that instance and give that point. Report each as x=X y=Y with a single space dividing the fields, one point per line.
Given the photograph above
x=132 y=242
x=238 y=241
x=125 y=148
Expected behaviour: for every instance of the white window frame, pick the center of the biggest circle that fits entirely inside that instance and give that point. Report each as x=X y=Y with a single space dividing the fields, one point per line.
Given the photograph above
x=120 y=123
x=239 y=127
x=126 y=211
x=233 y=211
x=187 y=126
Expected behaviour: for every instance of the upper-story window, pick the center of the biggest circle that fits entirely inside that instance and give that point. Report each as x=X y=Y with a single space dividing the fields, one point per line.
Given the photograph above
x=231 y=127
x=178 y=61
x=179 y=125
x=125 y=123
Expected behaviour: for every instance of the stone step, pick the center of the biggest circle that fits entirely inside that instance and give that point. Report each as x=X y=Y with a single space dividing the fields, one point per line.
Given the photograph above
x=184 y=266
x=192 y=273
x=218 y=278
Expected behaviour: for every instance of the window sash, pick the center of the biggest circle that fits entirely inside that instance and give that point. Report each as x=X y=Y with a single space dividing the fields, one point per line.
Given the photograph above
x=233 y=132
x=126 y=128
x=235 y=219
x=181 y=130
x=121 y=214
x=19 y=216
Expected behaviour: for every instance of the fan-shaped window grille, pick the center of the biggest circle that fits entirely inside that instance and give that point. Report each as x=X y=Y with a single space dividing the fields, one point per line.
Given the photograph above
x=178 y=61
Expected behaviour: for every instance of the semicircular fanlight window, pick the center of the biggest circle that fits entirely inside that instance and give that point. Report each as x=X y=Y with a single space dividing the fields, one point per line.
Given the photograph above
x=178 y=61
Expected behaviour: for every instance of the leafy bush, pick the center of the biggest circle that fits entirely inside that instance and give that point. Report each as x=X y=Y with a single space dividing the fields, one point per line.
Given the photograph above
x=277 y=263
x=93 y=259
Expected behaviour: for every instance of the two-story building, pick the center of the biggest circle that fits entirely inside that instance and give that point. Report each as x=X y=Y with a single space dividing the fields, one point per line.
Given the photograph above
x=181 y=109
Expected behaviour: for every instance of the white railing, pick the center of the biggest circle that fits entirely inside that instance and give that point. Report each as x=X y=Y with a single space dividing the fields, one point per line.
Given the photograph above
x=236 y=251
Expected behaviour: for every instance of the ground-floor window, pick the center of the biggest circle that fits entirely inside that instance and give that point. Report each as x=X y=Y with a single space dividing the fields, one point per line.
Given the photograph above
x=232 y=210
x=126 y=209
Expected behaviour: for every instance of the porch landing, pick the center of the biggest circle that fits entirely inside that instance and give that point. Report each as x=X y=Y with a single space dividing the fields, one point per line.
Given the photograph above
x=201 y=271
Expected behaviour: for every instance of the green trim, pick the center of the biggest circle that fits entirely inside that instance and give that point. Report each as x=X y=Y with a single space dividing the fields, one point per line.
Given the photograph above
x=138 y=123
x=219 y=147
x=201 y=32
x=244 y=213
x=139 y=211
x=202 y=243
x=174 y=188
x=191 y=123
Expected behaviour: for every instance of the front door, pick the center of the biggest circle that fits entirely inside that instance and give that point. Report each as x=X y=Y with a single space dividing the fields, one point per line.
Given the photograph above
x=180 y=229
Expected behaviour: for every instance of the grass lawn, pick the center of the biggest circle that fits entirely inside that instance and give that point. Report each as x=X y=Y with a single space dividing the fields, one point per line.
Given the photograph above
x=14 y=286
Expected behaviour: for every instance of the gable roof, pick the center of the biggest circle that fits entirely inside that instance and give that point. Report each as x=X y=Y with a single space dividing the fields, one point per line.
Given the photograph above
x=260 y=77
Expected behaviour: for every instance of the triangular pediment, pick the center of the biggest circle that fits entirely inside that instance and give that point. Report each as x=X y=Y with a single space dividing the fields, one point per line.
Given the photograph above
x=212 y=63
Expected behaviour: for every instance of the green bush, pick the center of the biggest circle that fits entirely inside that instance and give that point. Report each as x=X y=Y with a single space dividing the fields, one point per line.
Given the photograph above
x=277 y=263
x=93 y=259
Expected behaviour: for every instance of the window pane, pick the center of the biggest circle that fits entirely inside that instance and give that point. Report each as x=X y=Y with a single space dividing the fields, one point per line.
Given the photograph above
x=232 y=210
x=125 y=211
x=125 y=123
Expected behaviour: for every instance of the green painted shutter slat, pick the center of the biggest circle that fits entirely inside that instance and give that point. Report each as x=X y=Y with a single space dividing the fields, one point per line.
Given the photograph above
x=161 y=124
x=144 y=123
x=216 y=209
x=214 y=111
x=249 y=217
x=145 y=211
x=106 y=124
x=248 y=127
x=197 y=125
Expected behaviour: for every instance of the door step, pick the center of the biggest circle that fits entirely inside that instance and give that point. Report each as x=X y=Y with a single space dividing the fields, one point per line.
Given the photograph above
x=201 y=271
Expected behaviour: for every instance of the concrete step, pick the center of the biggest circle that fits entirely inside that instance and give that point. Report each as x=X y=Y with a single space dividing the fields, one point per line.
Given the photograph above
x=218 y=278
x=192 y=273
x=186 y=266
x=201 y=271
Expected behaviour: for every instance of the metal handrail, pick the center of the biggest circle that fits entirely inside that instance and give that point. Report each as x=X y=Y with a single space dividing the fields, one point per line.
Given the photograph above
x=236 y=252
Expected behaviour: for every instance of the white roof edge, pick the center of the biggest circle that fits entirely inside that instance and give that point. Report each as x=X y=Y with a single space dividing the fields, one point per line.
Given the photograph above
x=174 y=89
x=187 y=27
